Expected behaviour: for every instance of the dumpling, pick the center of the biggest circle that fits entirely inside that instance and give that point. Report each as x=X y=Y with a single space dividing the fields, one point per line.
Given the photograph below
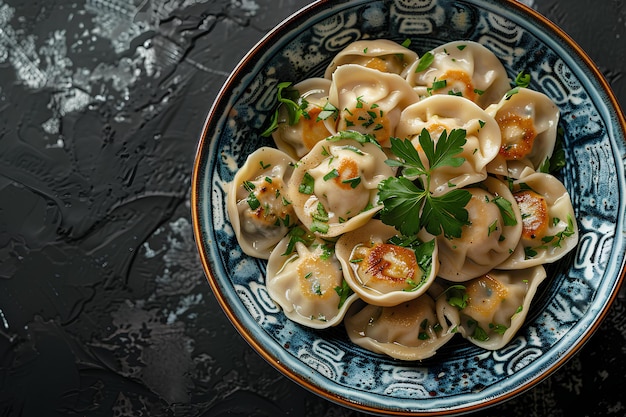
x=382 y=268
x=334 y=187
x=549 y=223
x=412 y=330
x=492 y=307
x=463 y=68
x=446 y=113
x=299 y=138
x=380 y=54
x=305 y=278
x=490 y=238
x=369 y=101
x=257 y=202
x=528 y=123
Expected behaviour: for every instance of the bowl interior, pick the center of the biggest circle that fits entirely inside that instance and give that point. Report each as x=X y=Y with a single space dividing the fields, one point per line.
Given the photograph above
x=461 y=377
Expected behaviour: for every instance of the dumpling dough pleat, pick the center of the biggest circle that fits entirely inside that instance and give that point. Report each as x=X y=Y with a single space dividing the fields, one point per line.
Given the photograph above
x=412 y=330
x=257 y=202
x=307 y=282
x=496 y=305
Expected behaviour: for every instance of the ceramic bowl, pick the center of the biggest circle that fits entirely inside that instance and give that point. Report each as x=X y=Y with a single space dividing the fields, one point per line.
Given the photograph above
x=570 y=304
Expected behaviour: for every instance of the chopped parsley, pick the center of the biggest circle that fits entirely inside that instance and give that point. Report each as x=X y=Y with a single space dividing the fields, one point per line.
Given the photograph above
x=425 y=61
x=343 y=292
x=456 y=295
x=522 y=79
x=296 y=107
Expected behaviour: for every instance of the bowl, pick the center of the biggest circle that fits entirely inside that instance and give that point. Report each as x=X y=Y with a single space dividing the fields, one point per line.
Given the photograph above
x=569 y=305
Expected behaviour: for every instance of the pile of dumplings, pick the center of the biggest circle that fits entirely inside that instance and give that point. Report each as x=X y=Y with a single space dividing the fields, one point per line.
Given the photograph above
x=310 y=206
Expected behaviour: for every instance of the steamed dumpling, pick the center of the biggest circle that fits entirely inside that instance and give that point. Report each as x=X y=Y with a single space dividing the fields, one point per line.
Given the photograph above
x=384 y=271
x=528 y=121
x=490 y=238
x=369 y=101
x=306 y=280
x=257 y=201
x=549 y=223
x=445 y=113
x=378 y=54
x=492 y=307
x=334 y=187
x=463 y=68
x=298 y=139
x=412 y=330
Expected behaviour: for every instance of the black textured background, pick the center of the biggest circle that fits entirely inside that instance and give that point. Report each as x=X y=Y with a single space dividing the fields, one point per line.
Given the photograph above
x=104 y=308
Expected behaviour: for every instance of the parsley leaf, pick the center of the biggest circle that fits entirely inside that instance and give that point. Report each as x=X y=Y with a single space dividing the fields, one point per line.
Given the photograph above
x=402 y=204
x=343 y=292
x=407 y=206
x=446 y=214
x=447 y=147
x=296 y=107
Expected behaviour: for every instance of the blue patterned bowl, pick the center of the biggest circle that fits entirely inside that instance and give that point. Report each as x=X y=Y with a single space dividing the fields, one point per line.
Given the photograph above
x=580 y=288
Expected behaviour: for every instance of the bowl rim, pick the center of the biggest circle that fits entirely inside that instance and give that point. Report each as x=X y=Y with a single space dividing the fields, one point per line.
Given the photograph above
x=267 y=40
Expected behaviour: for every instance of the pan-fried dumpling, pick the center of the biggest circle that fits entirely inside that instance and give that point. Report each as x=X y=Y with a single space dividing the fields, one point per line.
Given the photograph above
x=334 y=187
x=492 y=307
x=383 y=268
x=369 y=101
x=549 y=223
x=306 y=280
x=379 y=54
x=528 y=122
x=490 y=238
x=299 y=138
x=412 y=330
x=463 y=68
x=257 y=201
x=445 y=113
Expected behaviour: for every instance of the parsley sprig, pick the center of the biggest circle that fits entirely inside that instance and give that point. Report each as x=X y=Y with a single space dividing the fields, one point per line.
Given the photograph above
x=295 y=105
x=408 y=204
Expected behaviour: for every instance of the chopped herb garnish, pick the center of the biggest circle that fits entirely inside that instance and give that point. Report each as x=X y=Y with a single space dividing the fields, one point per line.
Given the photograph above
x=248 y=185
x=298 y=234
x=253 y=202
x=354 y=182
x=296 y=107
x=480 y=334
x=343 y=292
x=320 y=227
x=307 y=184
x=264 y=166
x=328 y=111
x=522 y=79
x=529 y=252
x=461 y=47
x=332 y=174
x=506 y=210
x=425 y=61
x=320 y=213
x=555 y=240
x=437 y=85
x=406 y=43
x=492 y=227
x=456 y=295
x=511 y=93
x=423 y=336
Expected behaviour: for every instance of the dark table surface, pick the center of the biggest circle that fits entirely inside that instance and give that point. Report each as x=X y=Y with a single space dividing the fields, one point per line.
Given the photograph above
x=104 y=308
